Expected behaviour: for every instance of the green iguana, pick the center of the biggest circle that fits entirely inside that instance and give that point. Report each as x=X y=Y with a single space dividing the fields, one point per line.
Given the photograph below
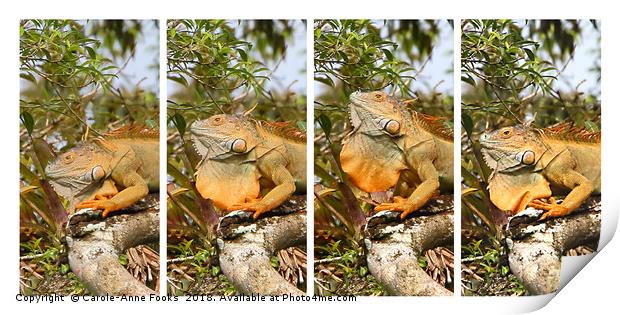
x=391 y=146
x=529 y=164
x=241 y=155
x=90 y=174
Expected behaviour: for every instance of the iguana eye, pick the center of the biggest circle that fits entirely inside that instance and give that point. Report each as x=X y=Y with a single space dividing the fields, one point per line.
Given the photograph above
x=506 y=132
x=68 y=158
x=217 y=120
x=238 y=146
x=378 y=96
x=389 y=125
x=97 y=173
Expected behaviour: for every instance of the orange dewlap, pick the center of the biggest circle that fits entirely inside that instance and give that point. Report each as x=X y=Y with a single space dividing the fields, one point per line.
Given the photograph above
x=507 y=193
x=227 y=185
x=368 y=169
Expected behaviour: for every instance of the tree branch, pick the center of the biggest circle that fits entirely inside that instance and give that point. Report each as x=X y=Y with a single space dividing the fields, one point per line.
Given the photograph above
x=394 y=246
x=535 y=248
x=95 y=245
x=246 y=246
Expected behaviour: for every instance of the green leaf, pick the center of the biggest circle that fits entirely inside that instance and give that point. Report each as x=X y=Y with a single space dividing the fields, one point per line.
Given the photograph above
x=591 y=126
x=388 y=54
x=179 y=79
x=123 y=259
x=325 y=123
x=91 y=52
x=215 y=270
x=28 y=121
x=242 y=54
x=363 y=271
x=468 y=124
x=301 y=125
x=530 y=54
x=28 y=76
x=64 y=268
x=468 y=79
x=150 y=123
x=180 y=123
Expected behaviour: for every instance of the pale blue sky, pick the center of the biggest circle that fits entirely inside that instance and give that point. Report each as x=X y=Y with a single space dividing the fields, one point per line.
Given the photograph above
x=145 y=64
x=579 y=69
x=440 y=67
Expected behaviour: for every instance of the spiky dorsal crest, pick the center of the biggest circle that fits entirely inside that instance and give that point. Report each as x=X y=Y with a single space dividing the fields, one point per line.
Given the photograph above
x=284 y=129
x=569 y=132
x=434 y=125
x=132 y=131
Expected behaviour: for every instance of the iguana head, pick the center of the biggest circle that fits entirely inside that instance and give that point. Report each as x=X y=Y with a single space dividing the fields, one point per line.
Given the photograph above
x=375 y=113
x=222 y=136
x=79 y=171
x=512 y=148
x=370 y=155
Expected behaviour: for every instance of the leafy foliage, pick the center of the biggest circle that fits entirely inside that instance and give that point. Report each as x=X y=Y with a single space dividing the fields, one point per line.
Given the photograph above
x=354 y=52
x=193 y=268
x=487 y=271
x=509 y=73
x=342 y=271
x=353 y=55
x=69 y=92
x=41 y=272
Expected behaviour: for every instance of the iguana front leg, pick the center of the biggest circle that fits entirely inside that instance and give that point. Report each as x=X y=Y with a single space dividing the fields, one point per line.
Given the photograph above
x=136 y=188
x=561 y=172
x=428 y=188
x=107 y=190
x=285 y=187
x=581 y=190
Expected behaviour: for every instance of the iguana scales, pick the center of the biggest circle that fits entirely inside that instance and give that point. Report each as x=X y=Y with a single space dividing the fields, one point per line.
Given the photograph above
x=90 y=174
x=392 y=146
x=241 y=156
x=530 y=164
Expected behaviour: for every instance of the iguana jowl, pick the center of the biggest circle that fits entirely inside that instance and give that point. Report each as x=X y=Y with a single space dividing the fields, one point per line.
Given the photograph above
x=241 y=155
x=90 y=174
x=391 y=146
x=529 y=164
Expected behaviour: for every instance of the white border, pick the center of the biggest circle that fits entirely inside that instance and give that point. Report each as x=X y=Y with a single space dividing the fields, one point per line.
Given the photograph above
x=163 y=159
x=310 y=155
x=594 y=289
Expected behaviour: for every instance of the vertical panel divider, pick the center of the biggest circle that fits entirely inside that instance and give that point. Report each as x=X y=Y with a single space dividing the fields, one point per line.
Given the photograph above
x=457 y=157
x=310 y=156
x=163 y=158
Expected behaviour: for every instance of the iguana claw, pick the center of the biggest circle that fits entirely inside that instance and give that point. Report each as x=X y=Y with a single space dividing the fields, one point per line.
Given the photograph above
x=252 y=205
x=552 y=208
x=106 y=205
x=400 y=204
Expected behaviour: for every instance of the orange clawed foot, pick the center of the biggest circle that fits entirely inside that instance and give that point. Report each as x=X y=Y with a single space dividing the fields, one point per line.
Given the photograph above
x=400 y=204
x=105 y=204
x=552 y=208
x=252 y=205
